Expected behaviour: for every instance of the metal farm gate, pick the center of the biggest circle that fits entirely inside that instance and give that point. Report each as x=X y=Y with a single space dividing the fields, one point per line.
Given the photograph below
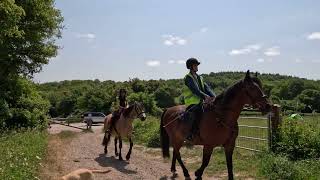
x=254 y=133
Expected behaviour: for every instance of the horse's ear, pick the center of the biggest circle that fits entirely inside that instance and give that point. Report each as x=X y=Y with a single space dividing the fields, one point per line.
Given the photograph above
x=248 y=77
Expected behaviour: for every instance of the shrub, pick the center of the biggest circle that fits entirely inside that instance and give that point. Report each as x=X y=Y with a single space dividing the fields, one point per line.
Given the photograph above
x=147 y=132
x=298 y=140
x=280 y=167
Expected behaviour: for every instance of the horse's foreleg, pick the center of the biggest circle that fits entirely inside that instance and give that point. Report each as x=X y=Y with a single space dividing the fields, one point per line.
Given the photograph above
x=184 y=169
x=228 y=152
x=173 y=164
x=115 y=146
x=120 y=147
x=105 y=142
x=206 y=155
x=130 y=149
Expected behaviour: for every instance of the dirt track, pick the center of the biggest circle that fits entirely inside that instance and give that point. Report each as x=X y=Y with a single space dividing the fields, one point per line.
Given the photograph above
x=84 y=150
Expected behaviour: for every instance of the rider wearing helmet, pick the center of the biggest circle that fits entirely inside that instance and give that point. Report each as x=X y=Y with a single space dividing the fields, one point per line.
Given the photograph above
x=122 y=106
x=195 y=92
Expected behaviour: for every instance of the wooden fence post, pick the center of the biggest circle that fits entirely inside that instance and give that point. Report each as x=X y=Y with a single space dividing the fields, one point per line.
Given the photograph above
x=275 y=118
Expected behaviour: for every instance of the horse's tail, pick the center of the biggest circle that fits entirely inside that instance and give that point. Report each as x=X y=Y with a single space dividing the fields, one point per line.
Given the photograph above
x=164 y=137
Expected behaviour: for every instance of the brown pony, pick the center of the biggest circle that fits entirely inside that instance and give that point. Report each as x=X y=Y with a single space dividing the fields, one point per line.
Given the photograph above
x=122 y=128
x=218 y=126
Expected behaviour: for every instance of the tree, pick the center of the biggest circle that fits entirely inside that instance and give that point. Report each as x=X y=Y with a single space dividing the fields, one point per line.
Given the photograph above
x=163 y=98
x=311 y=98
x=27 y=37
x=27 y=41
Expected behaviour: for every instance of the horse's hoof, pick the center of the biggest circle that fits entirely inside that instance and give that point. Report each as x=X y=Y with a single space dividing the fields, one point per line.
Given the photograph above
x=105 y=151
x=173 y=170
x=198 y=174
x=198 y=178
x=117 y=154
x=120 y=158
x=127 y=158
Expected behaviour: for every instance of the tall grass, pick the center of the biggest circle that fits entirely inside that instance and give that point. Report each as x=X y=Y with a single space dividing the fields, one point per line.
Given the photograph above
x=21 y=154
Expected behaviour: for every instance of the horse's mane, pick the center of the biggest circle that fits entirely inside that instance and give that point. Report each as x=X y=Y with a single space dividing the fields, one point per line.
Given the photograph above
x=128 y=110
x=227 y=95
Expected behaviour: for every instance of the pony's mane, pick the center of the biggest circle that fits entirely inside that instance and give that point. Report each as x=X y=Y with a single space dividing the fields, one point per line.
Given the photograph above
x=228 y=94
x=128 y=110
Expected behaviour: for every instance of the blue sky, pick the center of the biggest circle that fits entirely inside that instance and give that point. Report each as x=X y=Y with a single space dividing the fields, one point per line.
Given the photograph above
x=149 y=39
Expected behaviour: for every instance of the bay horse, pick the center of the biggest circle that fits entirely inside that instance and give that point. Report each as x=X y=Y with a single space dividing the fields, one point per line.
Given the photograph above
x=218 y=126
x=122 y=128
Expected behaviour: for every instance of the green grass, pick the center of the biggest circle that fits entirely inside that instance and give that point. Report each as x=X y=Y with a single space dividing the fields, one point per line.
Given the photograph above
x=21 y=154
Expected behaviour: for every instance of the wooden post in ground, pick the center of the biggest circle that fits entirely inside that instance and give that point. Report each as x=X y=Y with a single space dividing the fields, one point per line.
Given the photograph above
x=275 y=119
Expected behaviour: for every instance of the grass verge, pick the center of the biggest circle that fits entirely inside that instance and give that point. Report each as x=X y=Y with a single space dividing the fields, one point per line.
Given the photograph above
x=21 y=154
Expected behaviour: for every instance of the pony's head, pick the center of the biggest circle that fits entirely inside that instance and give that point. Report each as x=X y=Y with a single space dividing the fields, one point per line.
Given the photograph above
x=139 y=111
x=254 y=94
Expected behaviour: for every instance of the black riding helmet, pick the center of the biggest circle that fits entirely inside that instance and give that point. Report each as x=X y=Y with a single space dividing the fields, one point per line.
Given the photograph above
x=122 y=90
x=191 y=61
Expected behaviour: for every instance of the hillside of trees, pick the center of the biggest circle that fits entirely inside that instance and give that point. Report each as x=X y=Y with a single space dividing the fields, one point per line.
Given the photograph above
x=77 y=96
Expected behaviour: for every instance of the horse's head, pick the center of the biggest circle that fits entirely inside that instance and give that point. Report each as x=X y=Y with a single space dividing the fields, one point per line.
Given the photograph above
x=139 y=110
x=255 y=95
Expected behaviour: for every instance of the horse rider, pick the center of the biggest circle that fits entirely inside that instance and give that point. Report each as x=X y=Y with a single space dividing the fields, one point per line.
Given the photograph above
x=123 y=104
x=195 y=91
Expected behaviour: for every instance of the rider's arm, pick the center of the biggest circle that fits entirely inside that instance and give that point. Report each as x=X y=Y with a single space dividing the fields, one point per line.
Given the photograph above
x=193 y=87
x=208 y=90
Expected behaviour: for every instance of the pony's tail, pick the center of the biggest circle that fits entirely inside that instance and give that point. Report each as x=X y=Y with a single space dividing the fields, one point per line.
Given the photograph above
x=105 y=140
x=164 y=138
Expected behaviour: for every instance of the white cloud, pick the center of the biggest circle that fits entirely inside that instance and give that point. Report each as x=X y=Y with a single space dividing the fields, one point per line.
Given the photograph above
x=176 y=62
x=181 y=62
x=314 y=36
x=246 y=50
x=260 y=60
x=171 y=62
x=86 y=36
x=273 y=51
x=168 y=43
x=204 y=29
x=153 y=63
x=170 y=40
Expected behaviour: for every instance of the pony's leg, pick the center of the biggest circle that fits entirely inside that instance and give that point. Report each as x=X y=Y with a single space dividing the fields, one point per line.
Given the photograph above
x=206 y=155
x=120 y=147
x=173 y=164
x=130 y=149
x=105 y=142
x=115 y=146
x=184 y=169
x=228 y=152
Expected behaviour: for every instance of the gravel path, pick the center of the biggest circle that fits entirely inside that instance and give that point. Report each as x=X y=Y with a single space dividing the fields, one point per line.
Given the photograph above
x=84 y=150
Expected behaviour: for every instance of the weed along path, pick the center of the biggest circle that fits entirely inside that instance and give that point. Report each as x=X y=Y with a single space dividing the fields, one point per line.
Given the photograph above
x=70 y=149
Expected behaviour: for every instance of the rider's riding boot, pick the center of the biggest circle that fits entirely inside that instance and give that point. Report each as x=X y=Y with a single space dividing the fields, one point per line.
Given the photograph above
x=194 y=129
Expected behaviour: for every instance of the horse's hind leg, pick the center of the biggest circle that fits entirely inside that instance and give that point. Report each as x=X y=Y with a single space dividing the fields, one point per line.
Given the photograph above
x=120 y=147
x=206 y=155
x=184 y=169
x=115 y=146
x=173 y=164
x=130 y=149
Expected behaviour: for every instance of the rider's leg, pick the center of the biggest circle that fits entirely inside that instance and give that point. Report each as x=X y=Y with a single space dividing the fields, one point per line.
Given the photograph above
x=196 y=116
